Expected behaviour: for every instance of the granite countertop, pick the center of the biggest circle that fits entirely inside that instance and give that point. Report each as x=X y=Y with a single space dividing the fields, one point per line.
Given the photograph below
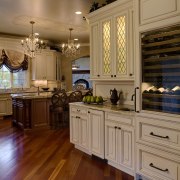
x=108 y=107
x=32 y=95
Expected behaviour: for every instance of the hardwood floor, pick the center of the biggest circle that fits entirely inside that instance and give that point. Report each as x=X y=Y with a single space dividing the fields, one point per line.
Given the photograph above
x=48 y=155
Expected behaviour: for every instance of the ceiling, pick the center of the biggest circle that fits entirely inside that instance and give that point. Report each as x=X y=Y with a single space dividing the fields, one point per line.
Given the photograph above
x=53 y=18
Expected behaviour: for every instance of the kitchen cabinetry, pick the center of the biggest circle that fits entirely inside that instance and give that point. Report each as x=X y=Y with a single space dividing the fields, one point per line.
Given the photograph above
x=87 y=129
x=119 y=142
x=158 y=148
x=45 y=66
x=96 y=132
x=79 y=128
x=5 y=105
x=112 y=42
x=153 y=11
x=30 y=112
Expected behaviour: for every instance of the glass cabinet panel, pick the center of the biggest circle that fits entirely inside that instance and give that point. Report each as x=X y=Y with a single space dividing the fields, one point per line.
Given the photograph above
x=161 y=70
x=106 y=47
x=121 y=44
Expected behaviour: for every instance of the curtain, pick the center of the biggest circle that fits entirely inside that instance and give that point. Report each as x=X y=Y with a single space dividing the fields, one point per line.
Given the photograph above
x=13 y=60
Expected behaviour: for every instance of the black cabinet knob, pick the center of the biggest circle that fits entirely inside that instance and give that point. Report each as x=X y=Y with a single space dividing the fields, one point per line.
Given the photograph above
x=111 y=75
x=114 y=75
x=130 y=74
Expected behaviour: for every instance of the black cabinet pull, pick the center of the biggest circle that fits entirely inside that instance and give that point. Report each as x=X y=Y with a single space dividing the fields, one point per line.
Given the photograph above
x=164 y=137
x=88 y=111
x=119 y=128
x=111 y=75
x=130 y=74
x=78 y=117
x=135 y=99
x=115 y=127
x=114 y=75
x=98 y=75
x=152 y=165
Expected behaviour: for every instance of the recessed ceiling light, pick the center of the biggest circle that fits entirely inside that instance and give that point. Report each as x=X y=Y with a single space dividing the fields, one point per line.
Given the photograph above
x=78 y=12
x=37 y=34
x=75 y=39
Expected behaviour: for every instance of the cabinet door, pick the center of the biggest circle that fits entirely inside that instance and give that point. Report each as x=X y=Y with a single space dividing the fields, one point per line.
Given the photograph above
x=110 y=141
x=106 y=48
x=50 y=66
x=83 y=133
x=39 y=112
x=126 y=147
x=94 y=51
x=96 y=121
x=74 y=129
x=3 y=104
x=123 y=46
x=153 y=10
x=9 y=106
x=39 y=67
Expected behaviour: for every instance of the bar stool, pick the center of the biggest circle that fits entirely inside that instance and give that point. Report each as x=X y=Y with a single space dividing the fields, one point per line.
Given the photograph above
x=58 y=110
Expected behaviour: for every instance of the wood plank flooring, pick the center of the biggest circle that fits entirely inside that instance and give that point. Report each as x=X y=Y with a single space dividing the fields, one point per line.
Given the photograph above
x=48 y=155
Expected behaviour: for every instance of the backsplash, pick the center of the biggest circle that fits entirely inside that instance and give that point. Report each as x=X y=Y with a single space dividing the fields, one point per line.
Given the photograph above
x=102 y=88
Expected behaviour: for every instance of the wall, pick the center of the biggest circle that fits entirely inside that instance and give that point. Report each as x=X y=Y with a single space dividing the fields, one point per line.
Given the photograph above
x=102 y=88
x=66 y=64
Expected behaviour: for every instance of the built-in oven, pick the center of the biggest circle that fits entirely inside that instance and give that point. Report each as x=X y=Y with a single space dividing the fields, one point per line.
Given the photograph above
x=161 y=70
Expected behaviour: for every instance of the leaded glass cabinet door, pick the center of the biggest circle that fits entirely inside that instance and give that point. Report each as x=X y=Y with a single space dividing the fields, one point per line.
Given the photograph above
x=121 y=44
x=106 y=59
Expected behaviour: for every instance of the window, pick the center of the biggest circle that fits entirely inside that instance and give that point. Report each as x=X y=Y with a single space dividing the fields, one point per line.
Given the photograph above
x=19 y=79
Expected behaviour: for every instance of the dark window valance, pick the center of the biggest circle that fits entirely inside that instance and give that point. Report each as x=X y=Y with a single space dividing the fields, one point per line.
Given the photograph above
x=13 y=60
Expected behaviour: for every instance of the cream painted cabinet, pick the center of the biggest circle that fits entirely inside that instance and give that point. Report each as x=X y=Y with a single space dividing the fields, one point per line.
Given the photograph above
x=87 y=129
x=119 y=143
x=158 y=147
x=96 y=132
x=5 y=105
x=154 y=11
x=79 y=128
x=112 y=42
x=94 y=51
x=44 y=66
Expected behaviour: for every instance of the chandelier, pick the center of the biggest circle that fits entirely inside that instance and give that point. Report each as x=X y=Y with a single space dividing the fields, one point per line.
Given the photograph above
x=70 y=49
x=32 y=44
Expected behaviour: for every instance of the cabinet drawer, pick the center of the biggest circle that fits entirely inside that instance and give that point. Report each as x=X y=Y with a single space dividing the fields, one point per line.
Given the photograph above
x=119 y=118
x=157 y=164
x=159 y=132
x=77 y=109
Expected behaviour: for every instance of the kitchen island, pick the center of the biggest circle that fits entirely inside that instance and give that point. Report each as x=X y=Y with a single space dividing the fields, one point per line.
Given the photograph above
x=31 y=110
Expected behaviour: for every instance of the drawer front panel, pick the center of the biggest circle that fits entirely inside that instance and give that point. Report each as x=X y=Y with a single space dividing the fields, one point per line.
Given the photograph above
x=160 y=135
x=119 y=118
x=158 y=132
x=161 y=167
x=79 y=110
x=157 y=164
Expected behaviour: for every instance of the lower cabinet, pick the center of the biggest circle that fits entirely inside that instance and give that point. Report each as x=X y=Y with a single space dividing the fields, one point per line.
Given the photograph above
x=86 y=130
x=158 y=147
x=79 y=128
x=96 y=126
x=30 y=113
x=157 y=164
x=5 y=105
x=119 y=144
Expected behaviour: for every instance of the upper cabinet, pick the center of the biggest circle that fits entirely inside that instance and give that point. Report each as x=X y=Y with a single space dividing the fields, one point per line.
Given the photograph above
x=153 y=11
x=46 y=66
x=112 y=42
